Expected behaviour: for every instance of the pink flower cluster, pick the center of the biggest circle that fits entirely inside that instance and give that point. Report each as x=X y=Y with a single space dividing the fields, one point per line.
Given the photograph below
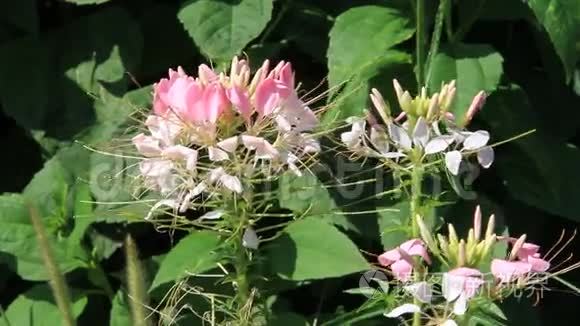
x=214 y=130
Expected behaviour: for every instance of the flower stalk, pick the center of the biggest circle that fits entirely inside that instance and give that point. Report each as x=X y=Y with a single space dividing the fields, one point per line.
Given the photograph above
x=420 y=41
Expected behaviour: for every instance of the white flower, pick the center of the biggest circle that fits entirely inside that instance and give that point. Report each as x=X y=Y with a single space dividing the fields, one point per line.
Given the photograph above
x=471 y=141
x=421 y=291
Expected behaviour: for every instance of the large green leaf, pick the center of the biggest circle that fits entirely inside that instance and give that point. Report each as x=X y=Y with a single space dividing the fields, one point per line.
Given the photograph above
x=361 y=36
x=539 y=170
x=193 y=254
x=222 y=29
x=561 y=20
x=18 y=244
x=313 y=249
x=36 y=307
x=61 y=67
x=474 y=67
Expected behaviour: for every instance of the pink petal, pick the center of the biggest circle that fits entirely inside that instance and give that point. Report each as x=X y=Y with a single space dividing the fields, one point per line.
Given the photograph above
x=286 y=75
x=240 y=100
x=402 y=270
x=506 y=271
x=539 y=265
x=269 y=93
x=416 y=247
x=528 y=249
x=389 y=257
x=206 y=74
x=216 y=102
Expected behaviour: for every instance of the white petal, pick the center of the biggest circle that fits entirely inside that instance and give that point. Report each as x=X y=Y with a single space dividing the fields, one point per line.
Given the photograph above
x=449 y=322
x=407 y=308
x=146 y=145
x=250 y=239
x=201 y=187
x=264 y=150
x=164 y=202
x=453 y=161
x=216 y=154
x=421 y=133
x=460 y=305
x=231 y=182
x=213 y=215
x=353 y=137
x=216 y=174
x=399 y=136
x=485 y=156
x=421 y=291
x=165 y=129
x=179 y=152
x=393 y=155
x=439 y=144
x=476 y=140
x=452 y=286
x=229 y=144
x=309 y=144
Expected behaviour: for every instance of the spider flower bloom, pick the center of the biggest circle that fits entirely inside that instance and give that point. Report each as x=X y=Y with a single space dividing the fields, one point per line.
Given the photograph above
x=400 y=259
x=420 y=136
x=524 y=259
x=215 y=132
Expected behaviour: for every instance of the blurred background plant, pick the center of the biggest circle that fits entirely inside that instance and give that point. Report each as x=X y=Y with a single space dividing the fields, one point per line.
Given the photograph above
x=74 y=72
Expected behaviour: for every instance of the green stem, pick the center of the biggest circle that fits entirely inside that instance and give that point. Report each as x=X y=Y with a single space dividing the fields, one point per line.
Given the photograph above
x=420 y=41
x=415 y=209
x=442 y=12
x=241 y=264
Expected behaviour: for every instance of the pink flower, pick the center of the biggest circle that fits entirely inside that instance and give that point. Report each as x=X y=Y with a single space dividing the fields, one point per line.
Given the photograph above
x=506 y=270
x=528 y=260
x=400 y=260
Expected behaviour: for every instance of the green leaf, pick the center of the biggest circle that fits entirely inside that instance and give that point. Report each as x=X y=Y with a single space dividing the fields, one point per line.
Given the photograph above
x=361 y=36
x=36 y=307
x=120 y=313
x=221 y=29
x=394 y=225
x=193 y=254
x=18 y=240
x=543 y=170
x=308 y=196
x=312 y=249
x=474 y=67
x=63 y=66
x=353 y=98
x=561 y=20
x=360 y=51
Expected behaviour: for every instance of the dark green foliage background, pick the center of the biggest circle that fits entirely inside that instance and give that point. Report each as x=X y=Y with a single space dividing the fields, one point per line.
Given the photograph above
x=74 y=70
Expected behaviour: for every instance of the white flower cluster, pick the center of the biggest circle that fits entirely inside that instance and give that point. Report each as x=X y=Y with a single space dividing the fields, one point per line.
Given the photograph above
x=422 y=134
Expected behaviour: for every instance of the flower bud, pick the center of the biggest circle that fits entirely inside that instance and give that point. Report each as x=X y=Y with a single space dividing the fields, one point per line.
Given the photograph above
x=490 y=230
x=476 y=104
x=477 y=222
x=443 y=244
x=453 y=240
x=433 y=107
x=382 y=107
x=426 y=234
x=461 y=254
x=517 y=246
